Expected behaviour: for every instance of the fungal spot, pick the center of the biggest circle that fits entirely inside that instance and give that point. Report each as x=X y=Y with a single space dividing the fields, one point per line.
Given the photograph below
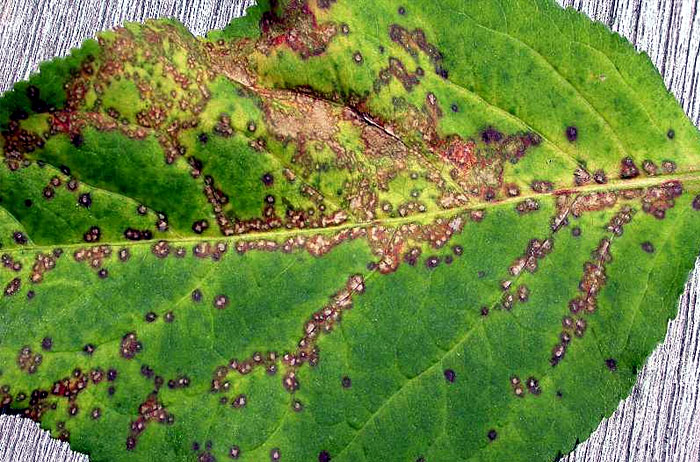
x=150 y=316
x=28 y=203
x=124 y=255
x=628 y=169
x=89 y=349
x=696 y=202
x=46 y=343
x=324 y=456
x=130 y=345
x=648 y=247
x=239 y=402
x=484 y=311
x=611 y=364
x=102 y=273
x=196 y=295
x=200 y=226
x=345 y=29
x=267 y=179
x=450 y=375
x=600 y=177
x=346 y=382
x=85 y=200
x=221 y=301
x=357 y=57
x=20 y=238
x=668 y=166
x=576 y=231
x=13 y=287
x=92 y=235
x=402 y=10
x=141 y=210
x=492 y=435
x=491 y=135
x=96 y=413
x=112 y=375
x=671 y=134
x=169 y=317
x=275 y=454
x=432 y=262
x=571 y=133
x=203 y=138
x=454 y=107
x=234 y=452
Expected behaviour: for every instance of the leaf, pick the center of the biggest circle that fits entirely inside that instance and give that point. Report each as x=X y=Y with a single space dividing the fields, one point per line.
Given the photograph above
x=341 y=230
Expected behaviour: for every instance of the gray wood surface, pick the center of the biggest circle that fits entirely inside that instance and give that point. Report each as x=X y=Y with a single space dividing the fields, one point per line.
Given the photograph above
x=659 y=421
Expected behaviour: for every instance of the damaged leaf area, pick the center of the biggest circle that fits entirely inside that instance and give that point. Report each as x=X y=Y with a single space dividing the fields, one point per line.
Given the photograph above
x=341 y=230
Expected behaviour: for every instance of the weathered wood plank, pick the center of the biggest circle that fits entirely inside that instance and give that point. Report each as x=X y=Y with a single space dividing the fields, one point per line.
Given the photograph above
x=655 y=423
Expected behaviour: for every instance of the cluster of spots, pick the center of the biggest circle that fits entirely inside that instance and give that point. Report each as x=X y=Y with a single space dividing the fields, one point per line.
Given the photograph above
x=413 y=42
x=395 y=245
x=526 y=206
x=322 y=322
x=10 y=263
x=28 y=361
x=297 y=28
x=317 y=244
x=94 y=257
x=536 y=250
x=71 y=387
x=130 y=346
x=132 y=234
x=151 y=410
x=43 y=263
x=12 y=287
x=519 y=388
x=92 y=235
x=18 y=141
x=219 y=384
x=658 y=199
x=620 y=219
x=592 y=281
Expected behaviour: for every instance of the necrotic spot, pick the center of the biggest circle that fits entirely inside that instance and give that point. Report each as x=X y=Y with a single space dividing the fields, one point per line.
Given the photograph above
x=450 y=375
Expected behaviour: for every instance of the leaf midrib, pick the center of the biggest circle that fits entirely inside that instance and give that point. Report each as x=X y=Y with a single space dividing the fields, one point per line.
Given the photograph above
x=692 y=176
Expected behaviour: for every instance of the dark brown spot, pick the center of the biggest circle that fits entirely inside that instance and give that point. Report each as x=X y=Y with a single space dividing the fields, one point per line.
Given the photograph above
x=576 y=231
x=696 y=202
x=169 y=317
x=491 y=135
x=46 y=343
x=89 y=349
x=196 y=295
x=492 y=435
x=150 y=316
x=571 y=133
x=85 y=200
x=221 y=302
x=450 y=375
x=628 y=169
x=611 y=364
x=600 y=177
x=346 y=382
x=268 y=179
x=275 y=454
x=671 y=134
x=200 y=226
x=19 y=237
x=648 y=247
x=234 y=452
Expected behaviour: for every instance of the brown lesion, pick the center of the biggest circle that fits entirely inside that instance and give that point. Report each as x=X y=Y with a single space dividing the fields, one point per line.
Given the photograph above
x=152 y=410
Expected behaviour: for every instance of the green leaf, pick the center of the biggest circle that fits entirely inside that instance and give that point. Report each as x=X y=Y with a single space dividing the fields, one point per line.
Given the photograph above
x=341 y=230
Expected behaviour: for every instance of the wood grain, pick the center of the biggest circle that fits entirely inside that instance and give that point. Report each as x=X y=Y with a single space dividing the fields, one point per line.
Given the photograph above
x=657 y=422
